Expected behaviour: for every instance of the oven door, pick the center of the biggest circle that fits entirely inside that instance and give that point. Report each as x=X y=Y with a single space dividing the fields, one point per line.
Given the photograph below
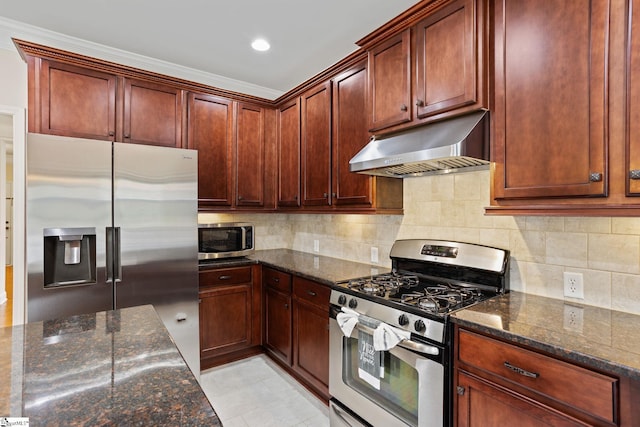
x=411 y=392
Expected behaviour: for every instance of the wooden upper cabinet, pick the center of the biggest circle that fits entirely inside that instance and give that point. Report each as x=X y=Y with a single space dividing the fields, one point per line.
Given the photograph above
x=550 y=134
x=152 y=113
x=390 y=82
x=316 y=145
x=447 y=66
x=210 y=131
x=249 y=155
x=350 y=122
x=632 y=136
x=289 y=154
x=74 y=101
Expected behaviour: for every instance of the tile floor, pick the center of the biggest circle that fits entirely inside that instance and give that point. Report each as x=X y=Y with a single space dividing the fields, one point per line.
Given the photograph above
x=257 y=392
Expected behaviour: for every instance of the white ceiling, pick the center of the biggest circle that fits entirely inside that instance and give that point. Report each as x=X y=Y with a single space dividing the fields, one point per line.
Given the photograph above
x=214 y=37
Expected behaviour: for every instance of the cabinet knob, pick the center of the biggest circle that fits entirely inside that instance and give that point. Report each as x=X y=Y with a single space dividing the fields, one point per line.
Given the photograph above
x=286 y=306
x=333 y=195
x=325 y=195
x=419 y=103
x=295 y=197
x=634 y=174
x=460 y=390
x=403 y=107
x=313 y=294
x=239 y=197
x=224 y=277
x=127 y=136
x=111 y=133
x=595 y=177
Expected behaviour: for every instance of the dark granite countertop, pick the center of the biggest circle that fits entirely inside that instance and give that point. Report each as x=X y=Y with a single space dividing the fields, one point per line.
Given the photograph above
x=319 y=268
x=116 y=368
x=607 y=340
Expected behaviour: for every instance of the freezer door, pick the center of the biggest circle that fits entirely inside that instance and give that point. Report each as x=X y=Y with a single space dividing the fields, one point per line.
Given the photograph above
x=68 y=199
x=156 y=222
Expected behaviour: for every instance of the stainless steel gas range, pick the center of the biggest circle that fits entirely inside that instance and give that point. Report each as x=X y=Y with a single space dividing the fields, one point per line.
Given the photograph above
x=390 y=335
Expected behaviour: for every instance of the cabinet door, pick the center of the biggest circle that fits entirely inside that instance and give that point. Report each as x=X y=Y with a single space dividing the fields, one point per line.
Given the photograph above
x=210 y=131
x=152 y=114
x=225 y=319
x=390 y=82
x=550 y=136
x=278 y=324
x=311 y=343
x=249 y=155
x=632 y=166
x=316 y=145
x=289 y=154
x=350 y=136
x=446 y=59
x=479 y=403
x=77 y=102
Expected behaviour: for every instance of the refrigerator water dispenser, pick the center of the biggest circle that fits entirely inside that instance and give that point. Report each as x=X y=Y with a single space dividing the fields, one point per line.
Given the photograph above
x=69 y=256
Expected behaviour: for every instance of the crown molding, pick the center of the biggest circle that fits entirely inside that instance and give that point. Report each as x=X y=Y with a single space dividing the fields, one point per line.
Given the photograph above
x=14 y=29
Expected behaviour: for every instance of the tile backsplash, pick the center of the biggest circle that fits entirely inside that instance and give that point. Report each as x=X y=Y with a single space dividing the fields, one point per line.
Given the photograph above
x=605 y=250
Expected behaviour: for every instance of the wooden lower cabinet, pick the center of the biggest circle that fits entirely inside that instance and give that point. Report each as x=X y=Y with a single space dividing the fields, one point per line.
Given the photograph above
x=482 y=403
x=297 y=328
x=230 y=314
x=311 y=333
x=497 y=383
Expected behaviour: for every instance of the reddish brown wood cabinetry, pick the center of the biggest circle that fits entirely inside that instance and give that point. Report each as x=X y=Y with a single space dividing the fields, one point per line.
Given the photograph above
x=632 y=131
x=495 y=381
x=390 y=82
x=73 y=101
x=83 y=102
x=316 y=145
x=297 y=327
x=550 y=116
x=277 y=311
x=311 y=333
x=210 y=131
x=349 y=137
x=434 y=69
x=448 y=52
x=289 y=154
x=250 y=155
x=230 y=314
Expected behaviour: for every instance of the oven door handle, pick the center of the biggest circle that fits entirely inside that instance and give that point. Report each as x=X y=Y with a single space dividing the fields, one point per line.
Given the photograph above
x=409 y=344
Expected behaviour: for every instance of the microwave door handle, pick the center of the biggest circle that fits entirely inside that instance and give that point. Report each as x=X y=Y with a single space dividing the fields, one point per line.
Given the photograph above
x=244 y=237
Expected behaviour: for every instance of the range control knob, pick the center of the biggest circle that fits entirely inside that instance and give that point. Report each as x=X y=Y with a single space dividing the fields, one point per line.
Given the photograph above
x=353 y=303
x=419 y=326
x=403 y=320
x=342 y=300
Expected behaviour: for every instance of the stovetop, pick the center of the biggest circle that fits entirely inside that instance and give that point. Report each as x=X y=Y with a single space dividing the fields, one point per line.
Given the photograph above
x=430 y=279
x=431 y=295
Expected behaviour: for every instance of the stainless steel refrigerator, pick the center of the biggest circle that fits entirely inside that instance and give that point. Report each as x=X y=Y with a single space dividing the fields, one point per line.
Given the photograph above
x=113 y=225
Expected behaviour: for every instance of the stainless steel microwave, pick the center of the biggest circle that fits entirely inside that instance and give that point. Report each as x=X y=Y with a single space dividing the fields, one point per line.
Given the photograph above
x=225 y=240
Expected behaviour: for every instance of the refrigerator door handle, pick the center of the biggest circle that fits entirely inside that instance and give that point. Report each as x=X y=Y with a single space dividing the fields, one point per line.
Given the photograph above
x=114 y=266
x=109 y=253
x=117 y=261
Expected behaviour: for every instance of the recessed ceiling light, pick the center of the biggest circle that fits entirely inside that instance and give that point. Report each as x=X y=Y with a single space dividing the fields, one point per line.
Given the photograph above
x=260 y=45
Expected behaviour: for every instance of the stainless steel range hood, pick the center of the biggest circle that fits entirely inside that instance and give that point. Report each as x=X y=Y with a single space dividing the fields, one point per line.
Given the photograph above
x=454 y=145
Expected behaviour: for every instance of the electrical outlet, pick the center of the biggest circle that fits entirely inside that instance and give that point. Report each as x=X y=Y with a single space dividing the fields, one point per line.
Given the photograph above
x=573 y=318
x=316 y=245
x=573 y=285
x=374 y=254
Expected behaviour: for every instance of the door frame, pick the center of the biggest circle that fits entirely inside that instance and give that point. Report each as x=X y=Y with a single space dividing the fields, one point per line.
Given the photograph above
x=19 y=190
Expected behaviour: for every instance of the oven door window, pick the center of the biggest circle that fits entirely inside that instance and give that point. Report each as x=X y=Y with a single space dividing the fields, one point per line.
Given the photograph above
x=216 y=240
x=398 y=392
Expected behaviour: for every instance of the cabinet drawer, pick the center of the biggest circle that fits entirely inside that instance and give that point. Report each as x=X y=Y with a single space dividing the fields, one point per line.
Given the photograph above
x=580 y=388
x=225 y=276
x=276 y=279
x=313 y=292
